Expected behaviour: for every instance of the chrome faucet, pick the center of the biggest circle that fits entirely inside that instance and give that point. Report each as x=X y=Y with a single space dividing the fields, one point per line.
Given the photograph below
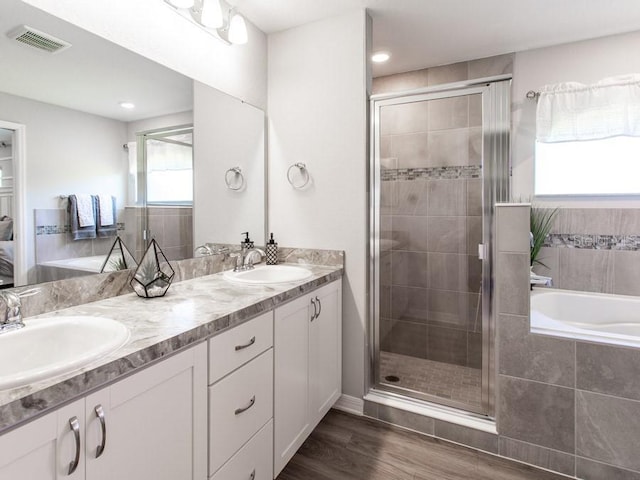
x=10 y=311
x=256 y=253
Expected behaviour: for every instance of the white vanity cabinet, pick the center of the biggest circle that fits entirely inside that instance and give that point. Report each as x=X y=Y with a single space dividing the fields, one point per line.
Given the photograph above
x=307 y=366
x=241 y=401
x=155 y=428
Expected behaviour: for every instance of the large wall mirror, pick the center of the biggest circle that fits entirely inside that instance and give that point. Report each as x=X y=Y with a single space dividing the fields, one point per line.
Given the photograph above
x=65 y=129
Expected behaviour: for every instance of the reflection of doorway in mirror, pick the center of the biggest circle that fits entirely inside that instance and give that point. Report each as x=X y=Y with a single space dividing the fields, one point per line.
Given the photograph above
x=7 y=211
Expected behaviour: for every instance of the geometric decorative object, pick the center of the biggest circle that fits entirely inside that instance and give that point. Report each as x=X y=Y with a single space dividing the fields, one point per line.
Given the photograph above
x=119 y=258
x=153 y=276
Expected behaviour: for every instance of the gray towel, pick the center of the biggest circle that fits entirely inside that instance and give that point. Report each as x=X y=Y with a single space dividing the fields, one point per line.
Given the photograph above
x=106 y=230
x=78 y=232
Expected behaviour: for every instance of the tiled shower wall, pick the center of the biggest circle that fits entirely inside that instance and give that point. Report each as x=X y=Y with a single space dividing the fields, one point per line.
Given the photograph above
x=171 y=227
x=594 y=250
x=431 y=219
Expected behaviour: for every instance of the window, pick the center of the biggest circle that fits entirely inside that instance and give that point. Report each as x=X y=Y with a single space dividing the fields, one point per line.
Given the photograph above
x=588 y=138
x=170 y=169
x=609 y=166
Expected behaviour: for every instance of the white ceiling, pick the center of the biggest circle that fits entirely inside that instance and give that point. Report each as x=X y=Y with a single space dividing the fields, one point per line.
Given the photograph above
x=93 y=76
x=425 y=33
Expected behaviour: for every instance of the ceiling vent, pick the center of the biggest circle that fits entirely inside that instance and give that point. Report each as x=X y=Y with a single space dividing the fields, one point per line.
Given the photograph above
x=37 y=39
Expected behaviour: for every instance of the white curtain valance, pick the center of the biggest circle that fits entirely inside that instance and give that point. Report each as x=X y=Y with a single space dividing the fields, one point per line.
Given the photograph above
x=569 y=112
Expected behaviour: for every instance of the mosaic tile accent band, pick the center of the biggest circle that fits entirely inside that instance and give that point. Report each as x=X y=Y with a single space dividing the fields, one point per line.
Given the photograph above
x=63 y=229
x=431 y=173
x=593 y=242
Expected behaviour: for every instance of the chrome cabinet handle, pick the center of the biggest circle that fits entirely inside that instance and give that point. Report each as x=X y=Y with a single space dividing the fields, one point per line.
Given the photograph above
x=246 y=345
x=244 y=409
x=74 y=424
x=314 y=315
x=319 y=307
x=100 y=414
x=253 y=475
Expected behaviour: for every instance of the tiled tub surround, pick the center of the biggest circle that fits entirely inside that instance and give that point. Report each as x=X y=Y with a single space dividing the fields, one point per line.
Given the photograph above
x=190 y=312
x=594 y=250
x=568 y=406
x=53 y=241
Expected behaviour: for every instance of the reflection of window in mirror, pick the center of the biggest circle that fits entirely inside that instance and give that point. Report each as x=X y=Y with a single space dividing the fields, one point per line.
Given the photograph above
x=588 y=138
x=170 y=170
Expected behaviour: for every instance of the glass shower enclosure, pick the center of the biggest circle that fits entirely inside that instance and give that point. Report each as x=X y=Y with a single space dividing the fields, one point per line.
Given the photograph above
x=439 y=164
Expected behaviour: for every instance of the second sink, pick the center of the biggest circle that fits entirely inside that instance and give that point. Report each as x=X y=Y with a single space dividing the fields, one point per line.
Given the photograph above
x=269 y=274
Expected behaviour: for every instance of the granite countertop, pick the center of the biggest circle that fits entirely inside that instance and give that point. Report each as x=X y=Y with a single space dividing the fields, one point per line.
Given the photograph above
x=189 y=313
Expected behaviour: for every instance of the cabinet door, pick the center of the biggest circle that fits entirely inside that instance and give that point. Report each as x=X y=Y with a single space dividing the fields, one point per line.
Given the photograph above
x=291 y=373
x=325 y=351
x=45 y=448
x=156 y=423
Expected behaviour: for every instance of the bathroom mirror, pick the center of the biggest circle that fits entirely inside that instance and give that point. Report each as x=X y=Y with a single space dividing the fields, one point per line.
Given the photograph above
x=65 y=130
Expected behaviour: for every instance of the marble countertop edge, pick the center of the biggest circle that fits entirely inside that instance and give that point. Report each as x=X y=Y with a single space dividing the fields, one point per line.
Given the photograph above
x=221 y=304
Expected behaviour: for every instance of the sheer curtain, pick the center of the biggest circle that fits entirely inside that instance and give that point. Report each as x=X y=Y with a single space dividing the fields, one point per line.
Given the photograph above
x=569 y=112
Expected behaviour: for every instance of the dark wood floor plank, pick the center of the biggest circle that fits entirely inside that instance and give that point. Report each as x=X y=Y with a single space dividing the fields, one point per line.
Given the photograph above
x=347 y=447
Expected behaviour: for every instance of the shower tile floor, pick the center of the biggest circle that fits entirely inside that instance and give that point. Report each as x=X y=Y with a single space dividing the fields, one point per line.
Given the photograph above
x=454 y=382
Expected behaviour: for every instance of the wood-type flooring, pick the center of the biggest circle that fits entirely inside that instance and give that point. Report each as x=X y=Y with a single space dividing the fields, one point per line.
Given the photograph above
x=348 y=447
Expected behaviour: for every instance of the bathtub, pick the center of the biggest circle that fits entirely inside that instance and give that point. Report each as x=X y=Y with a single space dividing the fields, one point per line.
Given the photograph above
x=91 y=264
x=595 y=317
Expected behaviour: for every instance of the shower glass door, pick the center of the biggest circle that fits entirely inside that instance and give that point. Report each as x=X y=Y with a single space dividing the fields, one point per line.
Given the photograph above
x=163 y=182
x=435 y=179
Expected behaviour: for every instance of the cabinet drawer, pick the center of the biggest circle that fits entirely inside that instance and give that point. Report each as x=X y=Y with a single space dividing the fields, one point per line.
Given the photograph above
x=239 y=405
x=236 y=347
x=255 y=458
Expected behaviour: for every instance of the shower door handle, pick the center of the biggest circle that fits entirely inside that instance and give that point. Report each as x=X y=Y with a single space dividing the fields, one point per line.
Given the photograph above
x=482 y=251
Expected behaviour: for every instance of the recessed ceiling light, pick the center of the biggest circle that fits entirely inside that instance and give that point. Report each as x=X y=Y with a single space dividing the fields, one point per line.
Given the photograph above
x=127 y=105
x=380 y=57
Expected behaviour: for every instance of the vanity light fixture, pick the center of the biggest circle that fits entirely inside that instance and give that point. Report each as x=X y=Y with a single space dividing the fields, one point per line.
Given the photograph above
x=127 y=105
x=211 y=14
x=215 y=17
x=380 y=57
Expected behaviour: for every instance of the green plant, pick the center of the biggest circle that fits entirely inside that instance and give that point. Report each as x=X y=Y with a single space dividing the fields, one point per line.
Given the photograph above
x=541 y=223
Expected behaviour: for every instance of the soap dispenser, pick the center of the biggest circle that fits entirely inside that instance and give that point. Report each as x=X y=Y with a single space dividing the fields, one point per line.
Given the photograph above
x=272 y=252
x=246 y=243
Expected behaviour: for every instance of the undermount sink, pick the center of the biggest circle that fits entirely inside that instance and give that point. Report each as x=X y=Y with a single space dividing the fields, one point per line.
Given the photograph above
x=47 y=347
x=269 y=274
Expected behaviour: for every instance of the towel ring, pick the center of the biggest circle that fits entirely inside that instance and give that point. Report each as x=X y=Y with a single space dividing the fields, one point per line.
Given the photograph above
x=237 y=172
x=303 y=171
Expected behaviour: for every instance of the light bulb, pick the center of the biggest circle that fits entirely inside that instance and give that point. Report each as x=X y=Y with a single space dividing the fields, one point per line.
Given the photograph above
x=182 y=3
x=237 y=30
x=380 y=57
x=211 y=15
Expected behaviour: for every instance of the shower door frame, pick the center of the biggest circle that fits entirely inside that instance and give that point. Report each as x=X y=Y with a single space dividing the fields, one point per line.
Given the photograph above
x=496 y=172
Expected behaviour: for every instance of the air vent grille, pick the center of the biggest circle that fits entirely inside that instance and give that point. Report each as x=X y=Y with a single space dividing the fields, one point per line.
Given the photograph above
x=37 y=39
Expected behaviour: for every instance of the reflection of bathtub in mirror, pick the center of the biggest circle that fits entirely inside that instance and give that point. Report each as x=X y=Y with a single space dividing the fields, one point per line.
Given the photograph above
x=69 y=267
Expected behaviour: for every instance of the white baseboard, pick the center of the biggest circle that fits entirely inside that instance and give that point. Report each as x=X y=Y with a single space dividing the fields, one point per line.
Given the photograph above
x=349 y=404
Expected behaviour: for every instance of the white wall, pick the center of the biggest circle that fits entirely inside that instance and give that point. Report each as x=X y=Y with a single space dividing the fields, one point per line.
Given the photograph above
x=67 y=152
x=586 y=62
x=150 y=28
x=227 y=133
x=317 y=115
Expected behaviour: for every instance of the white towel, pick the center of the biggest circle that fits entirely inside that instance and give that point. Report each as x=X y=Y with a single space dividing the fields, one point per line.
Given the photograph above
x=105 y=203
x=86 y=217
